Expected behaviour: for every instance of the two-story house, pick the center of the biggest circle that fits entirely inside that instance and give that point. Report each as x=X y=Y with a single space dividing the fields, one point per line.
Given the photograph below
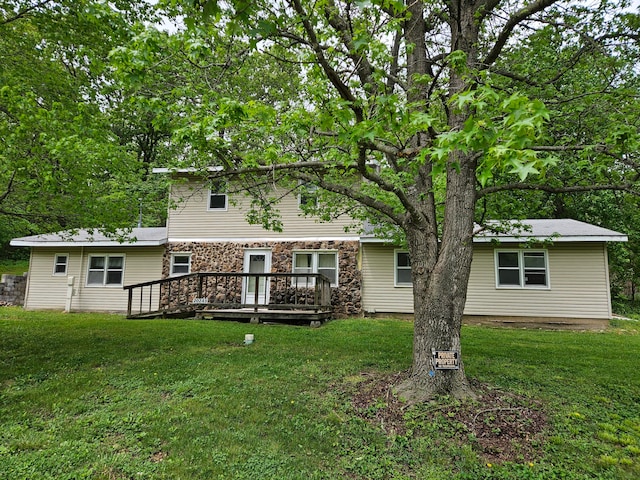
x=562 y=280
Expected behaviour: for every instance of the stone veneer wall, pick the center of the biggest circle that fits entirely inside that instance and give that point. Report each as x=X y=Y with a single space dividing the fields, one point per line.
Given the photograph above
x=229 y=257
x=12 y=289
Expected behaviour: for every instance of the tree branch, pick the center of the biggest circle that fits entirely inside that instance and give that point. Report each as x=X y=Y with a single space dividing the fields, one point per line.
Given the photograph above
x=624 y=187
x=514 y=20
x=332 y=75
x=598 y=148
x=348 y=192
x=9 y=187
x=372 y=176
x=362 y=65
x=485 y=7
x=299 y=170
x=23 y=13
x=567 y=148
x=392 y=76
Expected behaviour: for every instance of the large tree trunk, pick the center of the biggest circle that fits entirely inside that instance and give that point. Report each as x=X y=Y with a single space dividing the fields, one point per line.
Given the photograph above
x=441 y=269
x=439 y=295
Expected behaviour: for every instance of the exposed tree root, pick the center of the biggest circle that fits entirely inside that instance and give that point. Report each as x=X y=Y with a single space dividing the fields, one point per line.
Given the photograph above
x=418 y=389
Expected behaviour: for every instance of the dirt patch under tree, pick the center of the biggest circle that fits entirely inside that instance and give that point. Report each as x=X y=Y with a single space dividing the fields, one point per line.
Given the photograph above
x=502 y=426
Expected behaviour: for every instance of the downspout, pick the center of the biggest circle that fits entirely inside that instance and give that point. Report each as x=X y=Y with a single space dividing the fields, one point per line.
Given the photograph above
x=28 y=286
x=606 y=274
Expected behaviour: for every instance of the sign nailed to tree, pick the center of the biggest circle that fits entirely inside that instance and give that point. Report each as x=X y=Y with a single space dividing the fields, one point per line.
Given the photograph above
x=446 y=360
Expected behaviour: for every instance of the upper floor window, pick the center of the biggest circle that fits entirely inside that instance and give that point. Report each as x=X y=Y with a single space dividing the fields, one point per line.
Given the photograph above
x=217 y=196
x=308 y=195
x=522 y=269
x=402 y=269
x=180 y=263
x=309 y=261
x=105 y=270
x=60 y=264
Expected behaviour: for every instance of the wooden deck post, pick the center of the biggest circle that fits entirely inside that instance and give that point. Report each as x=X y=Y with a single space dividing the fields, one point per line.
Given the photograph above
x=129 y=302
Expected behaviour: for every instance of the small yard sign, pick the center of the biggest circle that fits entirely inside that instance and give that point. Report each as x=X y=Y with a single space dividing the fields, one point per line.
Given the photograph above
x=445 y=360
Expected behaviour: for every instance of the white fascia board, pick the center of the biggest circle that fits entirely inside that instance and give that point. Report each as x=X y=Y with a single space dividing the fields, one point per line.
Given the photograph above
x=63 y=244
x=524 y=238
x=567 y=238
x=262 y=239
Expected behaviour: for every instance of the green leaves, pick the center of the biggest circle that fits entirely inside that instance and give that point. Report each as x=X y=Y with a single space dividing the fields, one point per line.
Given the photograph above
x=499 y=130
x=458 y=61
x=64 y=161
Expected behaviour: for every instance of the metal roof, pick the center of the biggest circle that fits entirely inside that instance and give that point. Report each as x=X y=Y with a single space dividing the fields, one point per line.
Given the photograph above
x=555 y=230
x=137 y=237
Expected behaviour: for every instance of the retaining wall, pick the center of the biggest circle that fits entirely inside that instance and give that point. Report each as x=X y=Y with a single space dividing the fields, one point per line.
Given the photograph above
x=12 y=289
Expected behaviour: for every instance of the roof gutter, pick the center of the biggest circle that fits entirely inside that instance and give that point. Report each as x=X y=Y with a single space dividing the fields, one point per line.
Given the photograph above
x=62 y=243
x=524 y=238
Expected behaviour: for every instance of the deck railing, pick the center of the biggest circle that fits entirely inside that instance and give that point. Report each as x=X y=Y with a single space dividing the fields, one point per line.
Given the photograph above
x=206 y=290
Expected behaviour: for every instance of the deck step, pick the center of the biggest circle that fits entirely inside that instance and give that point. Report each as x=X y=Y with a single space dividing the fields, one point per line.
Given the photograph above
x=265 y=315
x=261 y=315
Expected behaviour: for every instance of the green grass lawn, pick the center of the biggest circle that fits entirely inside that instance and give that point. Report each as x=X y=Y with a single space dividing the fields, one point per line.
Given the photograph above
x=14 y=267
x=101 y=397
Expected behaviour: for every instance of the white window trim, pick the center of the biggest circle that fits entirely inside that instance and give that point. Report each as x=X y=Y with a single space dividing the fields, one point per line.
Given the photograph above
x=314 y=263
x=104 y=275
x=226 y=201
x=55 y=264
x=521 y=252
x=179 y=254
x=395 y=270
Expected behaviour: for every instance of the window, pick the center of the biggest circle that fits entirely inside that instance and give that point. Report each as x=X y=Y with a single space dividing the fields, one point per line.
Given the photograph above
x=217 y=196
x=302 y=263
x=522 y=269
x=308 y=196
x=327 y=266
x=105 y=270
x=60 y=264
x=180 y=263
x=325 y=263
x=402 y=269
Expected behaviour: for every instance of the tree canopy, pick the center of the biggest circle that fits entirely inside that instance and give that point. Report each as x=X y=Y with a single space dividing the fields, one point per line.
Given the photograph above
x=64 y=160
x=430 y=116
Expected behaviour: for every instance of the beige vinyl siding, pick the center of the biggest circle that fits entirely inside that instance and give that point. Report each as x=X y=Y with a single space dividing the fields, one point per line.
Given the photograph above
x=578 y=279
x=46 y=291
x=379 y=295
x=192 y=219
x=577 y=274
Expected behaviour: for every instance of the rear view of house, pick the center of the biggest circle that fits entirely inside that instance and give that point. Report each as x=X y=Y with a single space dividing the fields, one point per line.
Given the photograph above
x=550 y=271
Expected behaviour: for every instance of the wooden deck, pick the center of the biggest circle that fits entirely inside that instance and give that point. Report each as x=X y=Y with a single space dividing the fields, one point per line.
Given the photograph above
x=272 y=297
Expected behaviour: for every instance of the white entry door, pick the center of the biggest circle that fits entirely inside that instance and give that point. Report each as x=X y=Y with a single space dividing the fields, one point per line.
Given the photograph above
x=256 y=289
